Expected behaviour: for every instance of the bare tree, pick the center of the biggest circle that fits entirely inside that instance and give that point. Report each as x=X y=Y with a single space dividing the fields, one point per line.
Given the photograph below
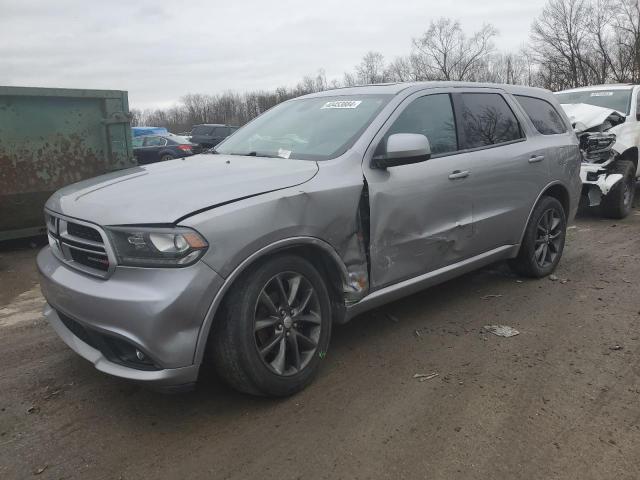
x=371 y=69
x=448 y=54
x=560 y=39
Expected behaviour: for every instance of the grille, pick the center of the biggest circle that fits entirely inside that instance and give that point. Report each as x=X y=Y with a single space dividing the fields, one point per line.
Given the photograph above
x=79 y=244
x=86 y=233
x=90 y=259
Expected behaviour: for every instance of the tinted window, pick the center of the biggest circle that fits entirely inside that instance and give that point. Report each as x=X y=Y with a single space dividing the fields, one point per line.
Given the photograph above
x=155 y=142
x=544 y=117
x=202 y=130
x=431 y=116
x=220 y=132
x=487 y=120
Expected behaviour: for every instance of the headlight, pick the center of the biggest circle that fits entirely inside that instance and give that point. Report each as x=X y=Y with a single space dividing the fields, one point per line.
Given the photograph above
x=156 y=247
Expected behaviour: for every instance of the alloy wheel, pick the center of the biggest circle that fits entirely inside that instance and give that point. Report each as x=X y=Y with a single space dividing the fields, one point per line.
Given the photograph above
x=548 y=238
x=287 y=323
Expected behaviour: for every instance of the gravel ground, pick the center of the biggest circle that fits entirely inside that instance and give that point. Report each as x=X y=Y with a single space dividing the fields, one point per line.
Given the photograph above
x=559 y=401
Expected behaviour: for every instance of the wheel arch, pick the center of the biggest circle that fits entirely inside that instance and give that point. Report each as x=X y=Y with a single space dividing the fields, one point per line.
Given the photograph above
x=556 y=190
x=630 y=154
x=320 y=253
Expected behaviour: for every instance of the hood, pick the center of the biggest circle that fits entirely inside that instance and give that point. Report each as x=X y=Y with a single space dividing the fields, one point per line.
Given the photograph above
x=167 y=191
x=584 y=116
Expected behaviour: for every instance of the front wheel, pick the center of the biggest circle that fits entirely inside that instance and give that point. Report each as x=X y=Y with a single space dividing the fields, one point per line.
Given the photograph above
x=543 y=241
x=618 y=202
x=274 y=328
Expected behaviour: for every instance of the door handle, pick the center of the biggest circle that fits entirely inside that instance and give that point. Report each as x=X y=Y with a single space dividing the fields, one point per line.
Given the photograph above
x=536 y=158
x=458 y=174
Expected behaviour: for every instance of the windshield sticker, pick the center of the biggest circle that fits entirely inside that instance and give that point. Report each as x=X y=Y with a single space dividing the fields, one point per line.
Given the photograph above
x=284 y=153
x=601 y=94
x=342 y=104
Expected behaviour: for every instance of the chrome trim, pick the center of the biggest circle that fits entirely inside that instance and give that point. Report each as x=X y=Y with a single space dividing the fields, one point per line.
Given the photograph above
x=61 y=249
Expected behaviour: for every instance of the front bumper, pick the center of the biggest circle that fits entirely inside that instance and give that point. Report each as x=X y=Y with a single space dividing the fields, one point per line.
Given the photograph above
x=158 y=311
x=597 y=182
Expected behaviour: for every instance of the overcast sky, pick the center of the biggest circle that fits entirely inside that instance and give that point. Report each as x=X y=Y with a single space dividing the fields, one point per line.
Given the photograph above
x=160 y=50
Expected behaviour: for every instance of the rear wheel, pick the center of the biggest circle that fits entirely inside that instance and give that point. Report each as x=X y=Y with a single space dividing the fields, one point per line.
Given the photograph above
x=618 y=202
x=543 y=240
x=274 y=329
x=166 y=157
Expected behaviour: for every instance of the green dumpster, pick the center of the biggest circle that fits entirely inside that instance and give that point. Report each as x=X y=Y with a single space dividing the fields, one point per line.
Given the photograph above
x=51 y=137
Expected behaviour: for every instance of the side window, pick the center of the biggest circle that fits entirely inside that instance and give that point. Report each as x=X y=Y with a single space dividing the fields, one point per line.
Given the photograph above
x=543 y=115
x=431 y=116
x=220 y=132
x=155 y=142
x=487 y=120
x=137 y=142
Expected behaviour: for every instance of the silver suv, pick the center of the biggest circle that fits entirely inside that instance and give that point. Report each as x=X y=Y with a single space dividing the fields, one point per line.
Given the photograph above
x=320 y=209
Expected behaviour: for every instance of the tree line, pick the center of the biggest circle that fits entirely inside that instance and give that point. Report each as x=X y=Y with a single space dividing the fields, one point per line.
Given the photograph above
x=572 y=43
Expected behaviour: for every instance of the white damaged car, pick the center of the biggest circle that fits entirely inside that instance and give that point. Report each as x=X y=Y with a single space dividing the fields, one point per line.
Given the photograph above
x=606 y=118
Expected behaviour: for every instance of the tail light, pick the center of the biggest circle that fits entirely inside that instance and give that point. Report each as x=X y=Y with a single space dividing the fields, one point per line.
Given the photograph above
x=184 y=148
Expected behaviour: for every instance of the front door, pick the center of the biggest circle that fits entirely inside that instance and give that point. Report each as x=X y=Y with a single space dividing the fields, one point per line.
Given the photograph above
x=420 y=214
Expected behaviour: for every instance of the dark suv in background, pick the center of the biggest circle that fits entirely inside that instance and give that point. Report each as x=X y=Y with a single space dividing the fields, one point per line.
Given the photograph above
x=208 y=135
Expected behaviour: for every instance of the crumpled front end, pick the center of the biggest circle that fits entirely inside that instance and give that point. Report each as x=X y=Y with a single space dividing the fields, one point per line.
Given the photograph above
x=598 y=153
x=593 y=126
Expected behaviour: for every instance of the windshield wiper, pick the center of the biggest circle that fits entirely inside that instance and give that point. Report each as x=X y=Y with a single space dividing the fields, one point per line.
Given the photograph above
x=253 y=154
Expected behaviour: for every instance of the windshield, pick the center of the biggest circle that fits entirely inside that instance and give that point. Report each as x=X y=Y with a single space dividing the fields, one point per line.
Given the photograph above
x=618 y=99
x=318 y=128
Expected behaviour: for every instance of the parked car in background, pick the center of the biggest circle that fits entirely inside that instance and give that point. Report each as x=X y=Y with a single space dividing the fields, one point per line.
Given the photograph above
x=322 y=208
x=607 y=120
x=209 y=135
x=160 y=148
x=140 y=131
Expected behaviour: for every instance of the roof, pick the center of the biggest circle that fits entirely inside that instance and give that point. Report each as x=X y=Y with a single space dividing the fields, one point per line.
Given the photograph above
x=611 y=86
x=395 y=88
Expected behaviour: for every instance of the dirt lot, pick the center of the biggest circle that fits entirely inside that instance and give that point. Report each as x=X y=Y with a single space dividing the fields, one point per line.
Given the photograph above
x=561 y=400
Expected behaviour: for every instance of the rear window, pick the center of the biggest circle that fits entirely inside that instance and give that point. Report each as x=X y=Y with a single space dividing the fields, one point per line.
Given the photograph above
x=177 y=139
x=202 y=130
x=543 y=115
x=487 y=120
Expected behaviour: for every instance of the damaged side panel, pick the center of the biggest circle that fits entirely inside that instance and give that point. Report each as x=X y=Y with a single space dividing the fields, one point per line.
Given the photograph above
x=421 y=220
x=336 y=216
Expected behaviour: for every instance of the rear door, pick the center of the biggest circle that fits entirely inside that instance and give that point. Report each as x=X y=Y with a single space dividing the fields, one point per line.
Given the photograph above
x=509 y=164
x=420 y=214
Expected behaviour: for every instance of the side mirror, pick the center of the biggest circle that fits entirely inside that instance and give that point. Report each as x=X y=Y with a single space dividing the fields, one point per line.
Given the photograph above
x=403 y=149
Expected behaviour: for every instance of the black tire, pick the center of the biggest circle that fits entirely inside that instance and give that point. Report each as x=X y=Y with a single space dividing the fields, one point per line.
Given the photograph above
x=236 y=339
x=619 y=201
x=166 y=157
x=541 y=250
